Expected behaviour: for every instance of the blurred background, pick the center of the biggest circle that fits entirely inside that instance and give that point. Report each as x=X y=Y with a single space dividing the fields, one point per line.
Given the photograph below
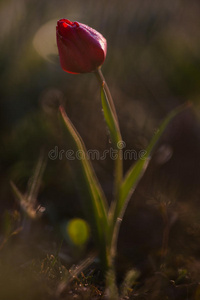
x=152 y=66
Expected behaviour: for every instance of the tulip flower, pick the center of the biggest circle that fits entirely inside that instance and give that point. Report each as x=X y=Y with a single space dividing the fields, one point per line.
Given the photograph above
x=81 y=48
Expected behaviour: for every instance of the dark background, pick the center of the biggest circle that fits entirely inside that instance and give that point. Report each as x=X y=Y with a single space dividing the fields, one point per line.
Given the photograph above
x=152 y=66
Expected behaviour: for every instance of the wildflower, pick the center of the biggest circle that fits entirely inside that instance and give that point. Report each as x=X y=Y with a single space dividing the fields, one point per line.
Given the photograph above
x=81 y=48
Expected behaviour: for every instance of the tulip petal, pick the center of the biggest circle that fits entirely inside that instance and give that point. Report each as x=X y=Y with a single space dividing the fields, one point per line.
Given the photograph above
x=81 y=48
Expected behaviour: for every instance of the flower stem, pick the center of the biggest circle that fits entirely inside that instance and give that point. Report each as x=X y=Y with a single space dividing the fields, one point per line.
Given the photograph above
x=115 y=134
x=102 y=80
x=118 y=160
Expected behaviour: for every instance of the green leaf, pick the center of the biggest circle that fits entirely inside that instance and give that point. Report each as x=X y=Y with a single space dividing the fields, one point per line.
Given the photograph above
x=133 y=177
x=94 y=201
x=135 y=173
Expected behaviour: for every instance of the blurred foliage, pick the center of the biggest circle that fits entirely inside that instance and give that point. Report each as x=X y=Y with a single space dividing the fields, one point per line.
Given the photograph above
x=78 y=231
x=152 y=65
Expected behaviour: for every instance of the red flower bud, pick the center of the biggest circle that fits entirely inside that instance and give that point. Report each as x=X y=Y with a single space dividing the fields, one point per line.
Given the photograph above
x=81 y=48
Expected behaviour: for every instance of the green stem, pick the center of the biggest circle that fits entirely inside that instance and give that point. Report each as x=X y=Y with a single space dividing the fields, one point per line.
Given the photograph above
x=118 y=160
x=102 y=81
x=116 y=139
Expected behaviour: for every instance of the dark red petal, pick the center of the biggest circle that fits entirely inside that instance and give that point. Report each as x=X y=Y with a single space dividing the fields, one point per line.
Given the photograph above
x=81 y=48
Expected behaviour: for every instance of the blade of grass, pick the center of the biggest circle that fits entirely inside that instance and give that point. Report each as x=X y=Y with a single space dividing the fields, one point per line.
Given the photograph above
x=133 y=177
x=35 y=181
x=137 y=170
x=95 y=202
x=73 y=273
x=129 y=280
x=111 y=290
x=28 y=201
x=26 y=207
